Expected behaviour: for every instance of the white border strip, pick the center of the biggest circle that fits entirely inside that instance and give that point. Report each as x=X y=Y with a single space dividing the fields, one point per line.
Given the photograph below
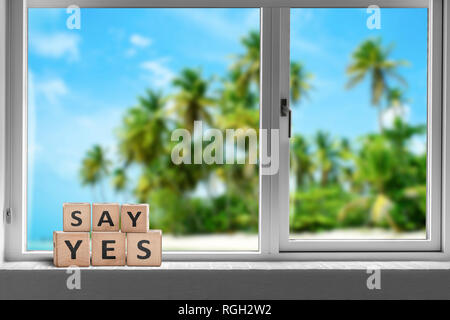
x=226 y=3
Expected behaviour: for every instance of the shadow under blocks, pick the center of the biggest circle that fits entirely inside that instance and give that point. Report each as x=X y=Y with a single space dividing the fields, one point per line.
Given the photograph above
x=120 y=236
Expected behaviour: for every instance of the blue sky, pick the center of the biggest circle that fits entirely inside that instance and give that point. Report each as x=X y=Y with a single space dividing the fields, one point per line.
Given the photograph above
x=82 y=81
x=324 y=39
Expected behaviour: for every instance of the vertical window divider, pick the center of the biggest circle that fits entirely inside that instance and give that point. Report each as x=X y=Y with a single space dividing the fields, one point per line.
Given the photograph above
x=271 y=55
x=284 y=123
x=266 y=202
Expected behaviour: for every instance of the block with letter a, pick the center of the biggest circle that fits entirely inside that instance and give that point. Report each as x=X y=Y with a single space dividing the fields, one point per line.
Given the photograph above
x=105 y=217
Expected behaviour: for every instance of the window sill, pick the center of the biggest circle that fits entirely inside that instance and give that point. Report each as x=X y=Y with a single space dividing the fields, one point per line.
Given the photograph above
x=230 y=280
x=249 y=266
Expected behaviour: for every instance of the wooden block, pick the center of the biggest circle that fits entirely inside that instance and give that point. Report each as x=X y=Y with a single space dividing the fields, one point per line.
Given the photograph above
x=144 y=249
x=77 y=217
x=71 y=249
x=105 y=217
x=108 y=248
x=135 y=218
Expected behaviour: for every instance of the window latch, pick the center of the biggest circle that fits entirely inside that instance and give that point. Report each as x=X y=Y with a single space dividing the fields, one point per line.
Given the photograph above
x=287 y=112
x=8 y=215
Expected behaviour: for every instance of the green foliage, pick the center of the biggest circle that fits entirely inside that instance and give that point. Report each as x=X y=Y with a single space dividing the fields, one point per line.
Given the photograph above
x=373 y=181
x=192 y=102
x=95 y=168
x=299 y=82
x=409 y=212
x=317 y=208
x=222 y=214
x=386 y=183
x=371 y=59
x=356 y=212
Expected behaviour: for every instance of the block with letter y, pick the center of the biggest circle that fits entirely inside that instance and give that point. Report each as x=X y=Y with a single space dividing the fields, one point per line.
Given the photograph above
x=71 y=249
x=135 y=218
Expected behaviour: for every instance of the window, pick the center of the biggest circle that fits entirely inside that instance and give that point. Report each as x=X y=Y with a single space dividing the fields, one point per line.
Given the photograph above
x=339 y=115
x=359 y=142
x=116 y=91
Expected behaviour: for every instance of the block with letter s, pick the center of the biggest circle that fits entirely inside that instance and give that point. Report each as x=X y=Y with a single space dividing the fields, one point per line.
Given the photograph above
x=77 y=217
x=144 y=249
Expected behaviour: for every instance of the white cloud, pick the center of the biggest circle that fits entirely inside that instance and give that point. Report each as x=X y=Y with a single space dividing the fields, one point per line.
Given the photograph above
x=418 y=145
x=117 y=33
x=302 y=45
x=91 y=129
x=56 y=45
x=51 y=89
x=140 y=41
x=220 y=25
x=131 y=52
x=34 y=148
x=79 y=132
x=159 y=75
x=388 y=116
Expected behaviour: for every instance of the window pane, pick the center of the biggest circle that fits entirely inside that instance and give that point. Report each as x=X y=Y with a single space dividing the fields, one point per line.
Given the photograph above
x=105 y=98
x=359 y=100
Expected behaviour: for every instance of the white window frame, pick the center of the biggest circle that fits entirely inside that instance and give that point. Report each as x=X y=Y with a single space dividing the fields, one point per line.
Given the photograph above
x=273 y=243
x=434 y=154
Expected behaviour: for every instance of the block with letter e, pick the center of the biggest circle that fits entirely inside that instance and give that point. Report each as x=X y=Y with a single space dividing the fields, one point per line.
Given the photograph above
x=135 y=218
x=144 y=249
x=105 y=217
x=77 y=217
x=71 y=249
x=108 y=248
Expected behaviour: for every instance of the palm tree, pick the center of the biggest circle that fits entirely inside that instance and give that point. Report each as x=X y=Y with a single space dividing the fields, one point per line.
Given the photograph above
x=302 y=163
x=372 y=59
x=248 y=67
x=326 y=157
x=95 y=167
x=346 y=164
x=192 y=101
x=395 y=98
x=236 y=110
x=401 y=133
x=248 y=64
x=143 y=134
x=299 y=82
x=120 y=180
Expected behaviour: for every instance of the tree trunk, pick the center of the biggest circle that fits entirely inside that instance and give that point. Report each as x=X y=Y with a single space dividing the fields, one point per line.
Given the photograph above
x=380 y=119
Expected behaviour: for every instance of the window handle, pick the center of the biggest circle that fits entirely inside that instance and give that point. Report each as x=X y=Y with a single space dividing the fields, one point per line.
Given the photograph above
x=8 y=216
x=287 y=112
x=290 y=123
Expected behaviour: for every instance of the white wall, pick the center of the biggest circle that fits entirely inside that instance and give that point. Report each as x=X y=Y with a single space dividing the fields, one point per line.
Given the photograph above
x=2 y=119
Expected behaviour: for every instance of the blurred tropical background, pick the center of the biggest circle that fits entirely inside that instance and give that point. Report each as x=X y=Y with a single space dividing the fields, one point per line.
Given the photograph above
x=358 y=153
x=105 y=99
